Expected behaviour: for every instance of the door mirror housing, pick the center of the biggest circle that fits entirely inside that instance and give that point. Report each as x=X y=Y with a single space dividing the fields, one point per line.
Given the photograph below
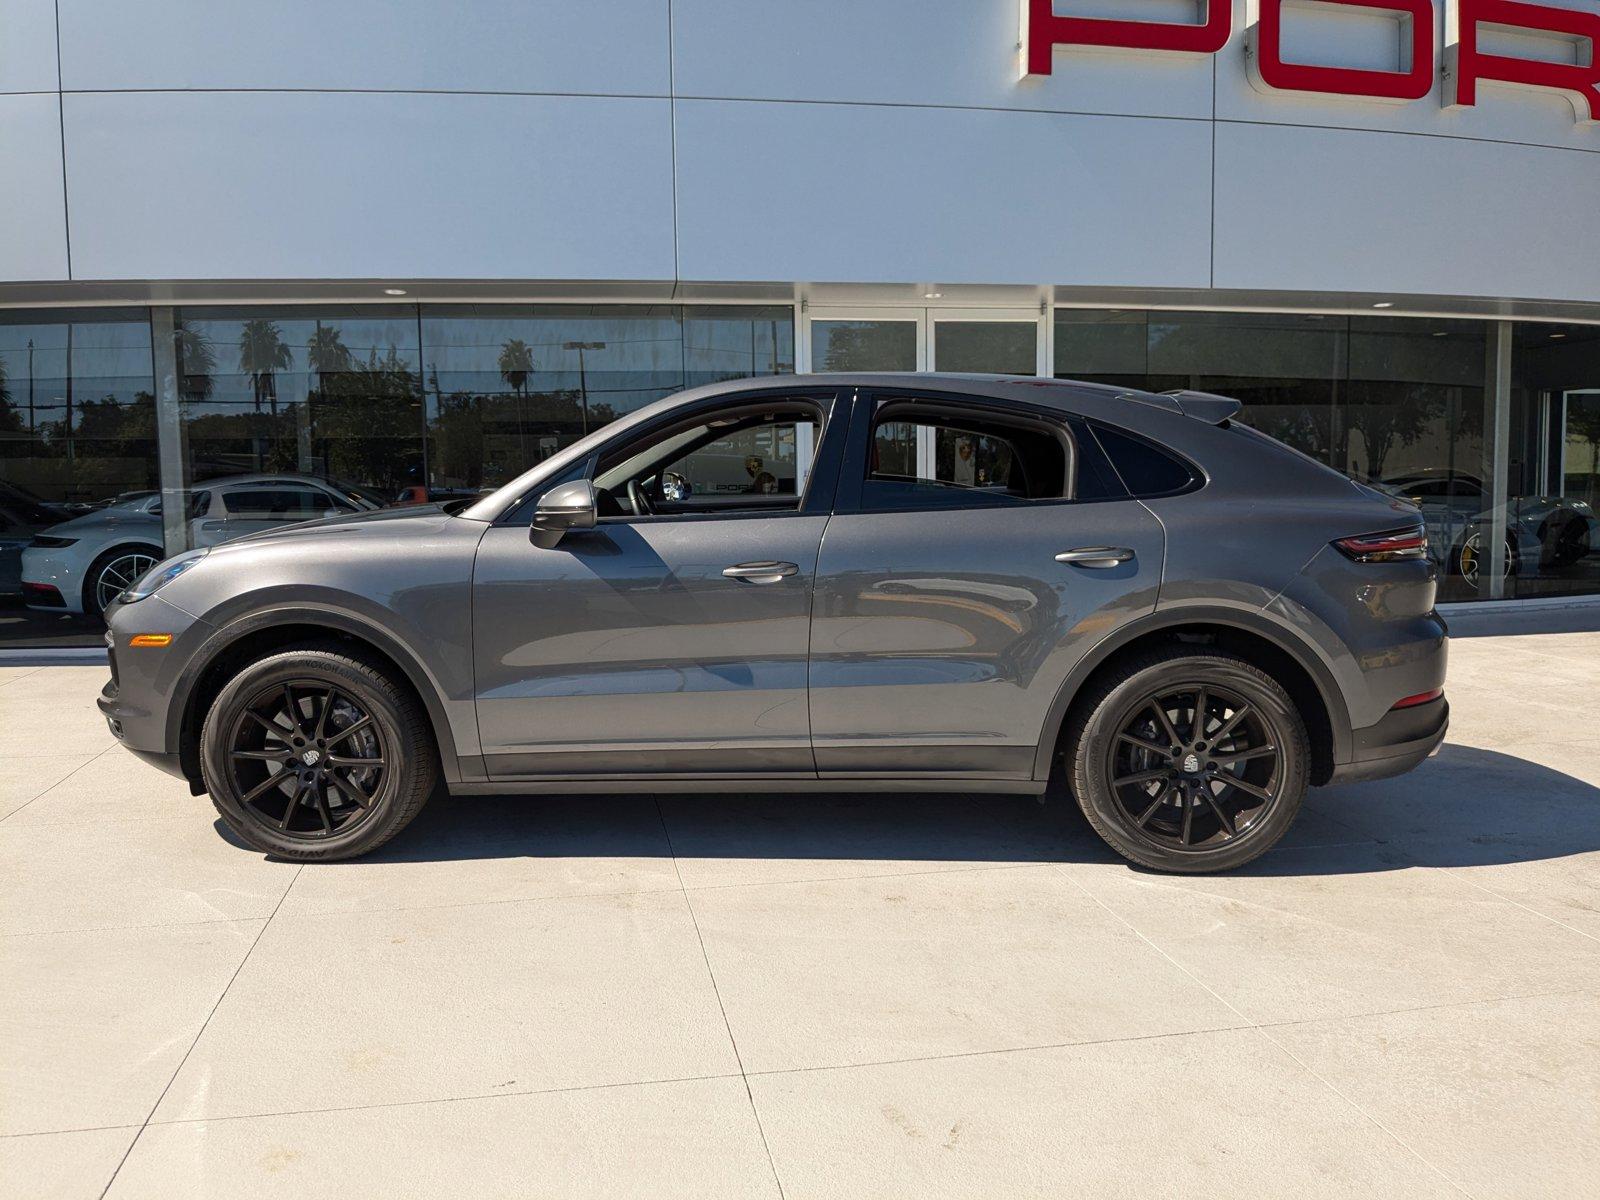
x=561 y=510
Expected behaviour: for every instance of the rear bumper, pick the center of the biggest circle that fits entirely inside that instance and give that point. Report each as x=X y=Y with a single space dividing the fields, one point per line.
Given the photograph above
x=1396 y=744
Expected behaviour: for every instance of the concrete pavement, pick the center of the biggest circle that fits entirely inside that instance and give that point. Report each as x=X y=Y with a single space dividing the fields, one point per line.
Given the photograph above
x=840 y=996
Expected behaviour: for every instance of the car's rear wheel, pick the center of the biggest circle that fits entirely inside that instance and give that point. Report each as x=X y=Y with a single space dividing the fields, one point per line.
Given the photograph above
x=314 y=754
x=1469 y=558
x=112 y=573
x=1187 y=761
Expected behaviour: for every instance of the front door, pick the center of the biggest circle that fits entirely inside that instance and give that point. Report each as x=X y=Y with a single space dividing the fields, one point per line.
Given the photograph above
x=945 y=623
x=671 y=639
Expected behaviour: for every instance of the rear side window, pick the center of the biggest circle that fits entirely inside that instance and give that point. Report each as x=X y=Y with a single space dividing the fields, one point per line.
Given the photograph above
x=295 y=503
x=949 y=456
x=1146 y=469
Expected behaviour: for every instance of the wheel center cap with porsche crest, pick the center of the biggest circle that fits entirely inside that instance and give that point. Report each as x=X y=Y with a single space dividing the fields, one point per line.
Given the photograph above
x=1191 y=763
x=311 y=757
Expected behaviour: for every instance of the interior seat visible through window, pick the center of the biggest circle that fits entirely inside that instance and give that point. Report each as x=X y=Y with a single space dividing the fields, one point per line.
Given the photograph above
x=944 y=454
x=753 y=458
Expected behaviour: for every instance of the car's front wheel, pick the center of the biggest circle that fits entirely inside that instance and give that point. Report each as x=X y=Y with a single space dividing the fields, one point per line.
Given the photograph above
x=1188 y=761
x=315 y=754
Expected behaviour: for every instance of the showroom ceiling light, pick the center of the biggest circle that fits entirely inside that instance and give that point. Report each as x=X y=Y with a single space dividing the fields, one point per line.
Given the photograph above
x=1384 y=304
x=394 y=291
x=1557 y=335
x=933 y=295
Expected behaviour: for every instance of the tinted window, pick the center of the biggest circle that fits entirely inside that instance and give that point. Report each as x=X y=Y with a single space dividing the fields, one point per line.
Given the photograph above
x=292 y=503
x=943 y=455
x=1146 y=470
x=761 y=460
x=741 y=458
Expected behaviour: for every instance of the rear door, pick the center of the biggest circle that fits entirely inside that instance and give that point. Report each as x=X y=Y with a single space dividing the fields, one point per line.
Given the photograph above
x=252 y=508
x=945 y=619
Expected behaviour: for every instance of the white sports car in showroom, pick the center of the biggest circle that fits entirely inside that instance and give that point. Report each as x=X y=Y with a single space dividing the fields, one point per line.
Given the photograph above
x=1543 y=533
x=80 y=566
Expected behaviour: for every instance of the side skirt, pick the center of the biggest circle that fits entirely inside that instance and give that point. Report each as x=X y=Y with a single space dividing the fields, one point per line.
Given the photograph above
x=677 y=783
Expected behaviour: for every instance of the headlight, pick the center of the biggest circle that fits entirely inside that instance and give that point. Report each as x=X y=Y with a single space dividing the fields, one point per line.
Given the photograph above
x=158 y=576
x=45 y=542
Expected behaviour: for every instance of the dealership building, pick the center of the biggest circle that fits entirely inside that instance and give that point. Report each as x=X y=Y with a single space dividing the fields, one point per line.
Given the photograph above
x=410 y=249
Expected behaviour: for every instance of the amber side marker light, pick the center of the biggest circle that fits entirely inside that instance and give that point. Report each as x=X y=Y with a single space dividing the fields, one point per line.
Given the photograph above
x=1419 y=698
x=152 y=641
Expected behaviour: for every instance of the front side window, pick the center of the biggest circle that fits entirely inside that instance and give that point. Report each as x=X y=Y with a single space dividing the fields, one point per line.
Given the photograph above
x=750 y=458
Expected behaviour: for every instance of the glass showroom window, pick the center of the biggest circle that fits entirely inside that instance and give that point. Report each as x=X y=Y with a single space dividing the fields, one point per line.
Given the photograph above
x=1553 y=462
x=1397 y=402
x=77 y=464
x=507 y=386
x=328 y=400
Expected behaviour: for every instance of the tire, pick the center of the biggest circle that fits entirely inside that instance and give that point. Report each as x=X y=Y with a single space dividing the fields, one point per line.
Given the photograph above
x=1465 y=560
x=350 y=712
x=1165 y=822
x=120 y=563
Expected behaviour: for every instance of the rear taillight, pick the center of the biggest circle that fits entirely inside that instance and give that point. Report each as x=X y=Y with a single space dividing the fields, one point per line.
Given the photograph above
x=1419 y=698
x=1391 y=545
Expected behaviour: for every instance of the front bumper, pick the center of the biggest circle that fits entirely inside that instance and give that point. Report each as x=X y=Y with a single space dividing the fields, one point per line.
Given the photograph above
x=1396 y=744
x=137 y=702
x=168 y=761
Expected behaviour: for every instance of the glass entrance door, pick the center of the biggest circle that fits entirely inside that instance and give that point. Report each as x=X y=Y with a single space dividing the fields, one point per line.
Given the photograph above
x=865 y=339
x=981 y=341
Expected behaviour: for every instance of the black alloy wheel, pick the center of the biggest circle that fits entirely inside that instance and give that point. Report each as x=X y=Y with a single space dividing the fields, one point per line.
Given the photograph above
x=315 y=753
x=307 y=758
x=1194 y=766
x=1187 y=759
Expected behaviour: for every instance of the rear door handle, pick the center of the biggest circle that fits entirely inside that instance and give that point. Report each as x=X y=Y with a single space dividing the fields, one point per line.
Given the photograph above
x=761 y=572
x=1096 y=556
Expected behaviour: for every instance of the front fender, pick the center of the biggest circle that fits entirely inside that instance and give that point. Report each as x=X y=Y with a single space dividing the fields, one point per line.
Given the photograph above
x=444 y=684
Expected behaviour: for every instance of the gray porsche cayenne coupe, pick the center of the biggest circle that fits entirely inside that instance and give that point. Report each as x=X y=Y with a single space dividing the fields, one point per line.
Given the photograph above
x=804 y=583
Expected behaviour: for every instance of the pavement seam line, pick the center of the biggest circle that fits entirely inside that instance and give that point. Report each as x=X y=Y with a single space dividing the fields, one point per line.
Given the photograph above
x=717 y=992
x=1156 y=1037
x=471 y=1097
x=1499 y=895
x=200 y=1033
x=52 y=787
x=468 y=1098
x=1261 y=1029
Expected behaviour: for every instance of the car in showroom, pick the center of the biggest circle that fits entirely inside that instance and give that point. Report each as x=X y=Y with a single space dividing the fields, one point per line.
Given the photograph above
x=80 y=566
x=1544 y=534
x=22 y=516
x=953 y=583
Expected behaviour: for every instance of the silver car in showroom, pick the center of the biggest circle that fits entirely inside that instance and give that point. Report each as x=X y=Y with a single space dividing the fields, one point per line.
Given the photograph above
x=80 y=566
x=851 y=582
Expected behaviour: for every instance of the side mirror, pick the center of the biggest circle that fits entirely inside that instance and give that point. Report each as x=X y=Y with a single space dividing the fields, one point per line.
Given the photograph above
x=570 y=506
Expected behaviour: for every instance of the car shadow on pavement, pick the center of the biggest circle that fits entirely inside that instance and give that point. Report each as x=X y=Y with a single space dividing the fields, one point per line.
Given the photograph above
x=1465 y=807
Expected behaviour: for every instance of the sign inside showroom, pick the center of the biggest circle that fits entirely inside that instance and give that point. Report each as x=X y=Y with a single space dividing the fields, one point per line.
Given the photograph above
x=1462 y=59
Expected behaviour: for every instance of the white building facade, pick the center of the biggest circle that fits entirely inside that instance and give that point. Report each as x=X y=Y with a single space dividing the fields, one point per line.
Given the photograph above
x=416 y=246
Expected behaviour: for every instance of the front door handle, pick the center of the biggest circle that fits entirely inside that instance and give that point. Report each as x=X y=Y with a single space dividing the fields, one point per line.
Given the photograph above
x=761 y=572
x=1096 y=556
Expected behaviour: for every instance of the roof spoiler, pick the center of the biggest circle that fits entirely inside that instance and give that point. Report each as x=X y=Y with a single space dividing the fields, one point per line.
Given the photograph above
x=1203 y=406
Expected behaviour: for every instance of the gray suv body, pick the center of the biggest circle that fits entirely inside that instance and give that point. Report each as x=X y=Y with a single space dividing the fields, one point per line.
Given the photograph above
x=910 y=582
